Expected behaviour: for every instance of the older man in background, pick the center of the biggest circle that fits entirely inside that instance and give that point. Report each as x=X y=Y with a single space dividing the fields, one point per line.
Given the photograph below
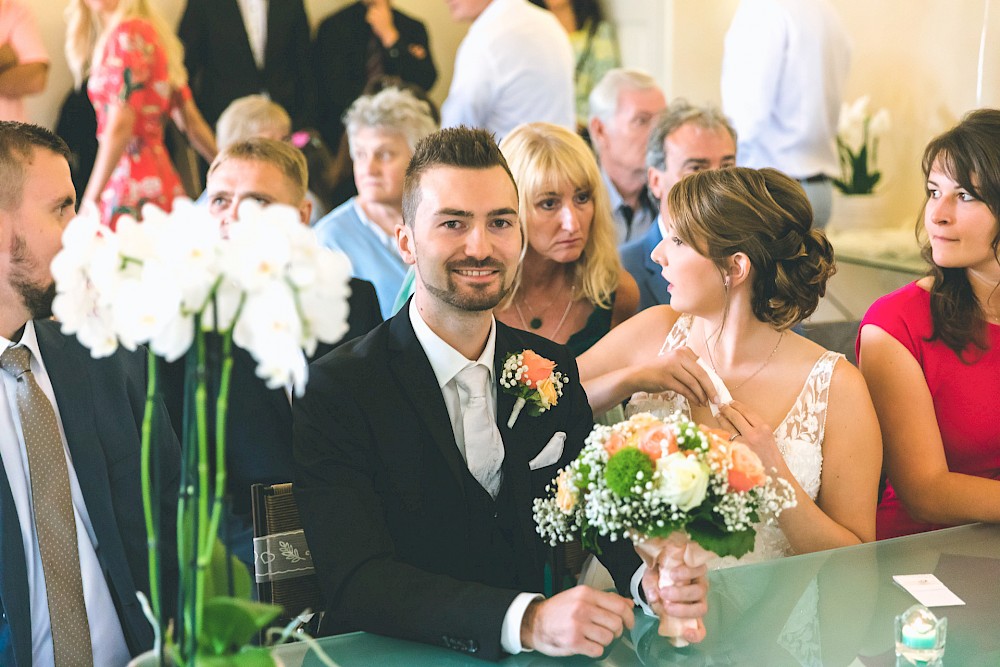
x=623 y=106
x=686 y=139
x=514 y=66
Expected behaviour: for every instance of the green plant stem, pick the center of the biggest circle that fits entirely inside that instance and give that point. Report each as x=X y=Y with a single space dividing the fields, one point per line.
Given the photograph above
x=201 y=411
x=211 y=528
x=148 y=492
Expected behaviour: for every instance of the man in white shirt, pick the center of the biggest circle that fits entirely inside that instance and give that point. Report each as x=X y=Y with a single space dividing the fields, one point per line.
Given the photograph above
x=784 y=68
x=76 y=605
x=414 y=492
x=623 y=107
x=514 y=66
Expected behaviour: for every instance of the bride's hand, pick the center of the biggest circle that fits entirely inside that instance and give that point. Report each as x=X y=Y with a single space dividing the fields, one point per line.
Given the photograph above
x=737 y=417
x=678 y=371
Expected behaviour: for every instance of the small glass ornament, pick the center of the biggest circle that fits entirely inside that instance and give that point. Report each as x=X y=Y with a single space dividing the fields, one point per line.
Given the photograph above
x=920 y=637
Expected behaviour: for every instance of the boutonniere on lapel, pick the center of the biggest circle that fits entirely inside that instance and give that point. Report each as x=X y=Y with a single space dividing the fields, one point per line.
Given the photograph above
x=534 y=380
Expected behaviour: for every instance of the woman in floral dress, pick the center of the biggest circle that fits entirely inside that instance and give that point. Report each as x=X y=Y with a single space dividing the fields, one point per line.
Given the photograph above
x=137 y=79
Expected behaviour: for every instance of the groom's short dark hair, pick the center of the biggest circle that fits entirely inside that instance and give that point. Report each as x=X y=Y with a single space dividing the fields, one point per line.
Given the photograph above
x=18 y=142
x=463 y=147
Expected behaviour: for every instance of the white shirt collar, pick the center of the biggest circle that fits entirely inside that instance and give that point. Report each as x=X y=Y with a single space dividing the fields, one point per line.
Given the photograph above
x=446 y=361
x=28 y=339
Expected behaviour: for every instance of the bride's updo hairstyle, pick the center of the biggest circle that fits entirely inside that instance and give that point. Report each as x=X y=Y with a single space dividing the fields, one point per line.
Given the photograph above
x=765 y=215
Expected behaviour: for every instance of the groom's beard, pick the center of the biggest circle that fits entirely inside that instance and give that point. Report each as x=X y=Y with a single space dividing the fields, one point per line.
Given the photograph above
x=37 y=298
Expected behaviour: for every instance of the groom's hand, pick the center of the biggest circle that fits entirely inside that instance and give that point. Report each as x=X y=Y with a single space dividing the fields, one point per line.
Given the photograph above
x=687 y=598
x=580 y=620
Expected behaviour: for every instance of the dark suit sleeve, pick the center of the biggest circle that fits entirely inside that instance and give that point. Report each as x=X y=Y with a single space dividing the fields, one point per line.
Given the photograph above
x=410 y=57
x=304 y=114
x=192 y=31
x=338 y=481
x=334 y=85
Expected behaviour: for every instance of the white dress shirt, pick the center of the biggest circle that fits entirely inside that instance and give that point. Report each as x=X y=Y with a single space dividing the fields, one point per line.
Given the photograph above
x=784 y=68
x=254 y=13
x=106 y=636
x=447 y=362
x=514 y=66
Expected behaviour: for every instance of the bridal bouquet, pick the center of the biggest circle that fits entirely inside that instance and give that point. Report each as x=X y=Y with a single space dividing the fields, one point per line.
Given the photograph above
x=168 y=282
x=679 y=491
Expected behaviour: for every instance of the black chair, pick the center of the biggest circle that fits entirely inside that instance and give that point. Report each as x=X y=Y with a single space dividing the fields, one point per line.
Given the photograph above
x=283 y=567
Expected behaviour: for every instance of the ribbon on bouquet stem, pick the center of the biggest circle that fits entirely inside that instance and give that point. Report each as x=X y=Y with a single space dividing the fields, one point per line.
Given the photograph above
x=664 y=554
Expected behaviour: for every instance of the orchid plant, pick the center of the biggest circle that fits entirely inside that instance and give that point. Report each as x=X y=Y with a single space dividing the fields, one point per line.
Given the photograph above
x=264 y=284
x=858 y=134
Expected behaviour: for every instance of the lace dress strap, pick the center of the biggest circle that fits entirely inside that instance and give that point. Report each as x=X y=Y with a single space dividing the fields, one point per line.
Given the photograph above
x=800 y=434
x=678 y=334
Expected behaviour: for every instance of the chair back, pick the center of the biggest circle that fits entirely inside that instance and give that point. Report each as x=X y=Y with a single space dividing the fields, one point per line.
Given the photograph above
x=283 y=567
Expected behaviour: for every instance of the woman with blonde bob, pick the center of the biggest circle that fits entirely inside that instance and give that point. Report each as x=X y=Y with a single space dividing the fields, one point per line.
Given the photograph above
x=136 y=79
x=570 y=286
x=745 y=265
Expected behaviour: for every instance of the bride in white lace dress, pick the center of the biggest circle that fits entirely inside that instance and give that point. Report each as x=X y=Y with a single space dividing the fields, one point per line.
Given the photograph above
x=744 y=266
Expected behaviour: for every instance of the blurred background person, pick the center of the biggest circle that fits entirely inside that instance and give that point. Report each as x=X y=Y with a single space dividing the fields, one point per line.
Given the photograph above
x=570 y=286
x=252 y=116
x=358 y=44
x=24 y=62
x=784 y=68
x=382 y=130
x=623 y=107
x=515 y=65
x=930 y=351
x=686 y=139
x=259 y=427
x=235 y=48
x=595 y=47
x=137 y=78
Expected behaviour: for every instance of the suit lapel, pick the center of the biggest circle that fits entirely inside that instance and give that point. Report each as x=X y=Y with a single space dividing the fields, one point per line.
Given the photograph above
x=416 y=380
x=14 y=594
x=235 y=23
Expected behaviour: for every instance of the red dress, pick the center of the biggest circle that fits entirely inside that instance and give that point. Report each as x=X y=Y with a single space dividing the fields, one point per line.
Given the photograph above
x=966 y=398
x=133 y=72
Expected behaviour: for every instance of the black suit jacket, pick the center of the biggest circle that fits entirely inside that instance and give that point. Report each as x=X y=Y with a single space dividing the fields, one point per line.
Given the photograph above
x=221 y=65
x=101 y=404
x=339 y=55
x=647 y=273
x=383 y=494
x=259 y=420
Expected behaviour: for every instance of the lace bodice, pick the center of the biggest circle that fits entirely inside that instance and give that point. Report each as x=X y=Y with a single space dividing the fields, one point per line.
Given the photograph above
x=799 y=436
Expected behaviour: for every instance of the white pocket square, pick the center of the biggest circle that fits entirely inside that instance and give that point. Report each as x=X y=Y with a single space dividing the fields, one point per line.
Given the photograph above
x=550 y=452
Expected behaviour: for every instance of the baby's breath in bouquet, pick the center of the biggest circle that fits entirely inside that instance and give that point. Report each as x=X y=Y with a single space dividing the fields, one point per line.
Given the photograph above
x=679 y=491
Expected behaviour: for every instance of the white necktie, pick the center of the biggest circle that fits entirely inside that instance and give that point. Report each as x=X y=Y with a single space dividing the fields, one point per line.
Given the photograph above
x=483 y=444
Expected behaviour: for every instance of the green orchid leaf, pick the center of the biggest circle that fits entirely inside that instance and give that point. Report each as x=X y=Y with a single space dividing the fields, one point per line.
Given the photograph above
x=248 y=657
x=229 y=624
x=217 y=575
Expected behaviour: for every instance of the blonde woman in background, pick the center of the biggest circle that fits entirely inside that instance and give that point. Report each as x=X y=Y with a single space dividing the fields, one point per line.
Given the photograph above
x=570 y=286
x=134 y=62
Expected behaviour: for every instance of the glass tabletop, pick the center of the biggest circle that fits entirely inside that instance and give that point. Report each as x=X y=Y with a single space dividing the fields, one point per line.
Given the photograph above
x=830 y=608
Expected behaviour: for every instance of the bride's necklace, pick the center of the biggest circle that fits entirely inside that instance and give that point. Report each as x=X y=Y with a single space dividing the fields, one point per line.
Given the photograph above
x=708 y=348
x=536 y=321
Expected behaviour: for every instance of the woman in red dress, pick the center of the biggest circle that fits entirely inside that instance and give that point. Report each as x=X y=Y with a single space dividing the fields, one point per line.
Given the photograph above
x=137 y=79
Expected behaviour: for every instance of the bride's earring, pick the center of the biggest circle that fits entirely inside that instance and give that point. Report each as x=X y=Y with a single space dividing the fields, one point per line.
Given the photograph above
x=725 y=282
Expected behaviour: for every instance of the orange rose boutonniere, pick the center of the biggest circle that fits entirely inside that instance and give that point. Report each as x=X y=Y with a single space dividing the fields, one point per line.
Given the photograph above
x=534 y=380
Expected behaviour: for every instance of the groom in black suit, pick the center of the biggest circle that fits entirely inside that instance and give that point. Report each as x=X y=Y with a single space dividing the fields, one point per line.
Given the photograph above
x=98 y=407
x=412 y=534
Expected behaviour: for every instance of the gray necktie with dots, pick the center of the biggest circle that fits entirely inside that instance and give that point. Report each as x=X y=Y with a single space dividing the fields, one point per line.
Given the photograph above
x=55 y=524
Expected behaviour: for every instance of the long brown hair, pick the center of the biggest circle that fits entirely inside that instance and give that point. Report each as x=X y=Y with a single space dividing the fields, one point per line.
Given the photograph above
x=969 y=154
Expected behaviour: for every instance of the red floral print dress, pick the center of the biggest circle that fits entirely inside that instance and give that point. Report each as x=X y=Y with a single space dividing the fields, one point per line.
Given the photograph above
x=133 y=73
